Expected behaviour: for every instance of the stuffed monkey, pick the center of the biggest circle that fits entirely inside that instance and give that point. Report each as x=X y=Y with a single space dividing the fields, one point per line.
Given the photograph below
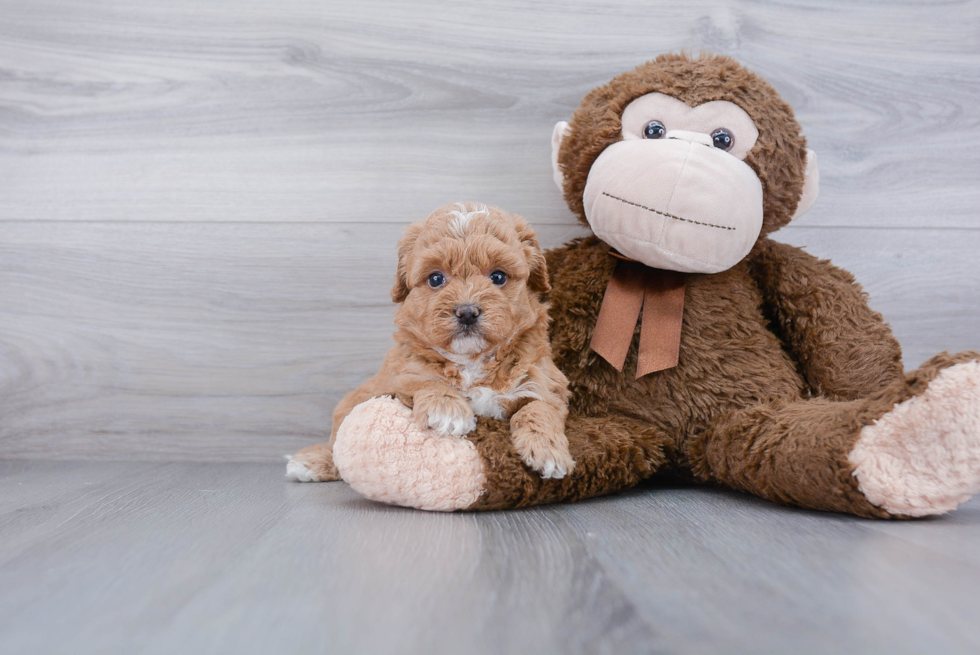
x=694 y=345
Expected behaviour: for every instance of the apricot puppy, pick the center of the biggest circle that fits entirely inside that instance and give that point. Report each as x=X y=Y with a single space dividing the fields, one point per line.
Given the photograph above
x=472 y=337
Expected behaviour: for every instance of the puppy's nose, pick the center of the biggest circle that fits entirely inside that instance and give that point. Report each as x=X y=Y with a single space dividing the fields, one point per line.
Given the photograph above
x=467 y=314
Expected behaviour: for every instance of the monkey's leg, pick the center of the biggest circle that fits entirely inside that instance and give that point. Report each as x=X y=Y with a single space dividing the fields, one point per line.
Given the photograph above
x=384 y=455
x=611 y=454
x=912 y=449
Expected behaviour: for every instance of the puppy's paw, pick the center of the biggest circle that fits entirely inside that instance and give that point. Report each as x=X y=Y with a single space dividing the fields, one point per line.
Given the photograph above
x=312 y=464
x=454 y=424
x=447 y=415
x=545 y=452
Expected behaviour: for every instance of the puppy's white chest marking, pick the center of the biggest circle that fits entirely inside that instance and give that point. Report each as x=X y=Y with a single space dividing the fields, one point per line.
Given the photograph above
x=471 y=368
x=489 y=403
x=483 y=400
x=470 y=371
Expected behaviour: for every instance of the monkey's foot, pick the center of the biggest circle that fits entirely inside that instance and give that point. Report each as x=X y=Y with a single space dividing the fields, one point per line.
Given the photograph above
x=384 y=455
x=923 y=457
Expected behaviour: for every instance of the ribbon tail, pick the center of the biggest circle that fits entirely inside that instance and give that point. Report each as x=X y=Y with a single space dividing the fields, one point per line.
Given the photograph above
x=618 y=314
x=663 y=315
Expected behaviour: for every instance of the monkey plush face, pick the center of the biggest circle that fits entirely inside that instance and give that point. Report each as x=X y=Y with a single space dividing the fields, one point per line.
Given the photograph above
x=682 y=164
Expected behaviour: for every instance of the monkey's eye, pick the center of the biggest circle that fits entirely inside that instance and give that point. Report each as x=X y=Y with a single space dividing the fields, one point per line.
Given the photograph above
x=498 y=278
x=654 y=130
x=723 y=139
x=436 y=280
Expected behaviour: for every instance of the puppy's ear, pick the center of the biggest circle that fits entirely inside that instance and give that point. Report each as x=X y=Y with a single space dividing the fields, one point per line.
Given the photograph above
x=537 y=279
x=405 y=247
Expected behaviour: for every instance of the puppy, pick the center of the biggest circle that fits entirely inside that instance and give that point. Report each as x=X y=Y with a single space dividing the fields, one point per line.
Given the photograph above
x=472 y=336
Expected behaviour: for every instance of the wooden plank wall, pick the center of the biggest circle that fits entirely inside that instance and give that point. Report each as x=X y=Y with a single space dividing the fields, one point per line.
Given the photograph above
x=199 y=199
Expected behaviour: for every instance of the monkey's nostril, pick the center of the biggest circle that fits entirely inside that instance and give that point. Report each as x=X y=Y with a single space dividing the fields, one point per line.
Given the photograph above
x=467 y=314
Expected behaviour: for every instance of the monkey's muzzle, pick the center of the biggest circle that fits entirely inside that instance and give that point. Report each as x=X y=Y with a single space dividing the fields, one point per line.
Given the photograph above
x=675 y=204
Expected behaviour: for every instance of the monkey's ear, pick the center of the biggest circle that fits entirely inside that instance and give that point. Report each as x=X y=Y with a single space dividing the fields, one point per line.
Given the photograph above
x=405 y=246
x=537 y=278
x=561 y=129
x=811 y=185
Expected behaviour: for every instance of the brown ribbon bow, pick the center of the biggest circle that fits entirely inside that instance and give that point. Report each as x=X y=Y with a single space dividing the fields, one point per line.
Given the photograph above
x=660 y=293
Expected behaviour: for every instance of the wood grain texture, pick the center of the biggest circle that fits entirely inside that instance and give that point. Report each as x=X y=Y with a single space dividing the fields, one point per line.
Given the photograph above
x=234 y=342
x=199 y=201
x=332 y=111
x=210 y=341
x=230 y=558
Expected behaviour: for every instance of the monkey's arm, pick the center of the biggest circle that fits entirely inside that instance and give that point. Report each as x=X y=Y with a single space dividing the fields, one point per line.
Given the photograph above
x=845 y=349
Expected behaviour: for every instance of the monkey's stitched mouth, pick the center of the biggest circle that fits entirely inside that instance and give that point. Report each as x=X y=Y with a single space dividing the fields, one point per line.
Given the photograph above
x=657 y=211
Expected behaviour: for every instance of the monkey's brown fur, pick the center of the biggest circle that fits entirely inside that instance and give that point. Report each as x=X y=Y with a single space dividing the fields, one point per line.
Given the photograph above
x=782 y=362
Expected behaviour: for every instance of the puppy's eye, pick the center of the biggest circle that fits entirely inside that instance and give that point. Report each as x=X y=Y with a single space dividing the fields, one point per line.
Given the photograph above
x=436 y=280
x=498 y=278
x=654 y=130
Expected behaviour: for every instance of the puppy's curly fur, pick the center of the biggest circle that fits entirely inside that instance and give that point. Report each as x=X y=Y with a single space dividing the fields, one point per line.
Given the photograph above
x=472 y=337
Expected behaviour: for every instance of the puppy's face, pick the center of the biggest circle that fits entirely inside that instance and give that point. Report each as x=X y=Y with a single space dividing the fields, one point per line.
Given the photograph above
x=469 y=278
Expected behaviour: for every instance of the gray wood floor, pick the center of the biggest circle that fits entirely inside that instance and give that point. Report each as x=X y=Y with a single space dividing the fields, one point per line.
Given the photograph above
x=142 y=557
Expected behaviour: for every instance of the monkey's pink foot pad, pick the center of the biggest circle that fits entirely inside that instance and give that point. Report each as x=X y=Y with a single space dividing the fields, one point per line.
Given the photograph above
x=385 y=456
x=923 y=457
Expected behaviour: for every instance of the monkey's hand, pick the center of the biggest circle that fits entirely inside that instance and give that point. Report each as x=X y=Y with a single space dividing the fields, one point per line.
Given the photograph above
x=443 y=410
